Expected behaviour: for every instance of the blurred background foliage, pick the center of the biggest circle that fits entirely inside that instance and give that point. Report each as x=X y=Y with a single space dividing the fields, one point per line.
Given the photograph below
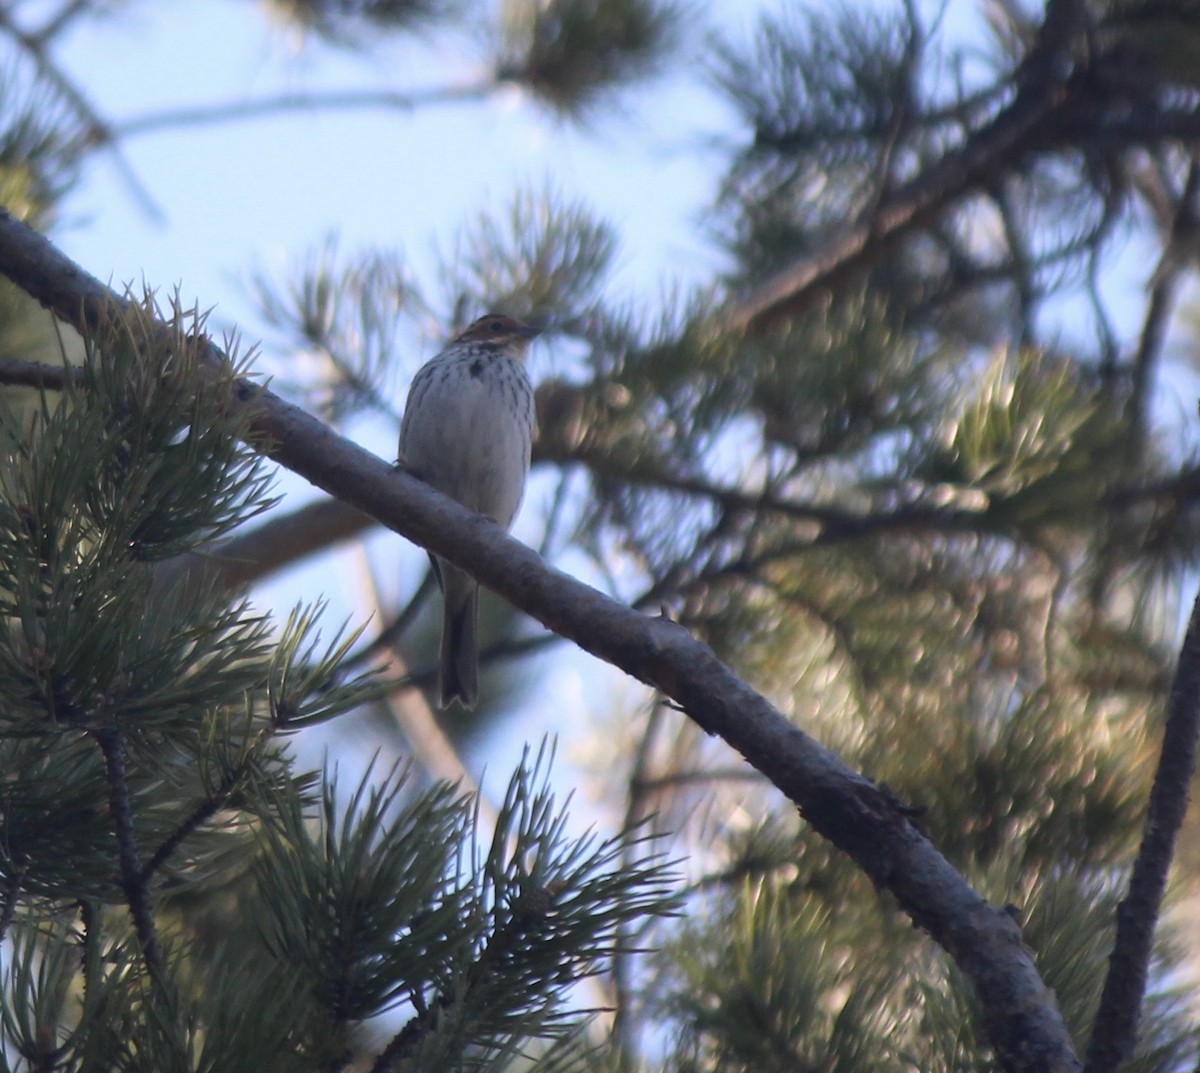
x=943 y=515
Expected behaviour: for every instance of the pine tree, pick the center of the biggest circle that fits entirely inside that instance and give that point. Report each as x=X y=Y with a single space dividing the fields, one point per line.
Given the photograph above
x=882 y=468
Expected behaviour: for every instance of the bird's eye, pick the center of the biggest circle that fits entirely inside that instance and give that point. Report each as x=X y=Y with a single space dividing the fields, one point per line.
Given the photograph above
x=496 y=326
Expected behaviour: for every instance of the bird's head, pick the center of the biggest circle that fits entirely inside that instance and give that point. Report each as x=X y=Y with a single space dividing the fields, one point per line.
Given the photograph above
x=498 y=332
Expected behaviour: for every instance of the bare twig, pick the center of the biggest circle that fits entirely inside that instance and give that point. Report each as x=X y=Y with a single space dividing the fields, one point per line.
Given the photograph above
x=60 y=20
x=636 y=812
x=1115 y=1030
x=285 y=103
x=1019 y=1013
x=433 y=749
x=397 y=628
x=507 y=648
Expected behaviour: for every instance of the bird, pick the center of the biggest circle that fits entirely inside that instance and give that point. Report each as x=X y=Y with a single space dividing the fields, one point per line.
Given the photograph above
x=467 y=430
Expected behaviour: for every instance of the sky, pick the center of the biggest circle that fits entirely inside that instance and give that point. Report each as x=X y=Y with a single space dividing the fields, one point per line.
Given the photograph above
x=258 y=193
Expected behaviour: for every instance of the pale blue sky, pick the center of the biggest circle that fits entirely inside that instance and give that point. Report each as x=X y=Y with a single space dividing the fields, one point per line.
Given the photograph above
x=260 y=192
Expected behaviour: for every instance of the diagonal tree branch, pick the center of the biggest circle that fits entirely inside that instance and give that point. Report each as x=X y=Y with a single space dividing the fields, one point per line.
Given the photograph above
x=864 y=821
x=1115 y=1030
x=20 y=373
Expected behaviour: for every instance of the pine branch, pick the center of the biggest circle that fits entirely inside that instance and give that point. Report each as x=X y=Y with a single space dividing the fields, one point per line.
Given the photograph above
x=193 y=821
x=864 y=821
x=1035 y=113
x=1115 y=1030
x=20 y=373
x=398 y=1055
x=288 y=538
x=11 y=895
x=112 y=745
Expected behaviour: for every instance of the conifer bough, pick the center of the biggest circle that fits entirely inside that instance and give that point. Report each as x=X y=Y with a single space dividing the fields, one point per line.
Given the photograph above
x=864 y=821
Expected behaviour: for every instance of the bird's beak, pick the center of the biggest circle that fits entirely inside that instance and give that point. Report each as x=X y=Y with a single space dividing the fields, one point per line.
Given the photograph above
x=531 y=331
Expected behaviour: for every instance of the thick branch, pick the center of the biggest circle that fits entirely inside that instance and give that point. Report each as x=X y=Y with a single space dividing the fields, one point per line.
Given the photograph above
x=137 y=898
x=867 y=823
x=280 y=541
x=20 y=373
x=1115 y=1030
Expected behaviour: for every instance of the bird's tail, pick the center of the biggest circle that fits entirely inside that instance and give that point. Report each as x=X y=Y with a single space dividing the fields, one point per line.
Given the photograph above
x=458 y=658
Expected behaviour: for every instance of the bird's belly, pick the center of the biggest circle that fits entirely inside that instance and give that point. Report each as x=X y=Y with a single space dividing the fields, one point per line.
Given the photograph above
x=479 y=459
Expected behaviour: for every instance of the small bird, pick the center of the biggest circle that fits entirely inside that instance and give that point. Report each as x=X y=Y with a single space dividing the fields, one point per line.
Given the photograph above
x=467 y=431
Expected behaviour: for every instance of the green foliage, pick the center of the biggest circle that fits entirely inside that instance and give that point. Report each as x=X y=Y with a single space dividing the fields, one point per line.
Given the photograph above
x=300 y=680
x=1068 y=918
x=398 y=903
x=137 y=465
x=789 y=988
x=825 y=93
x=544 y=910
x=41 y=145
x=356 y=24
x=378 y=901
x=546 y=258
x=574 y=55
x=173 y=472
x=933 y=513
x=782 y=993
x=41 y=967
x=1034 y=437
x=368 y=892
